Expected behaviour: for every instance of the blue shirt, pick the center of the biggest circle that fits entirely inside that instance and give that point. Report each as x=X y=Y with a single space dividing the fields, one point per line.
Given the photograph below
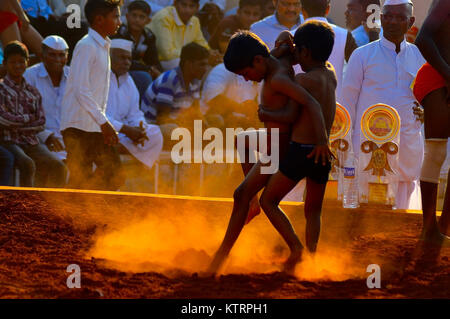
x=360 y=35
x=169 y=89
x=36 y=8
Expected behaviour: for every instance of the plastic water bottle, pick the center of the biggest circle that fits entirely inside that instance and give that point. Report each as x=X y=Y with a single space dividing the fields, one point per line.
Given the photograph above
x=350 y=184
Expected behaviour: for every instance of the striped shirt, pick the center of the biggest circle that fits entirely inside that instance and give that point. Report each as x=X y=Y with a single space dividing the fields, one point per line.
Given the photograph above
x=21 y=112
x=169 y=90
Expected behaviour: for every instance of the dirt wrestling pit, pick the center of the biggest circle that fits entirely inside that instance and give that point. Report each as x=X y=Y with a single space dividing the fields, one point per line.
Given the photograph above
x=150 y=246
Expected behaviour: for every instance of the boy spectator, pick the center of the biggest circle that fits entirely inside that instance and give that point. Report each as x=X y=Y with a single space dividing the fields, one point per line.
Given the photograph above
x=209 y=15
x=175 y=93
x=249 y=12
x=50 y=78
x=21 y=119
x=143 y=141
x=174 y=26
x=145 y=63
x=88 y=135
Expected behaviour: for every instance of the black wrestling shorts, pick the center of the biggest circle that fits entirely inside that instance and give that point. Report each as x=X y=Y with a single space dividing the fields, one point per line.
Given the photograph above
x=297 y=166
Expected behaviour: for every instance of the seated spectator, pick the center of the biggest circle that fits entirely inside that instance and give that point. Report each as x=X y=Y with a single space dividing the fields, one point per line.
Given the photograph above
x=21 y=119
x=248 y=13
x=356 y=21
x=15 y=26
x=143 y=141
x=174 y=26
x=50 y=78
x=210 y=14
x=6 y=167
x=172 y=99
x=145 y=64
x=232 y=97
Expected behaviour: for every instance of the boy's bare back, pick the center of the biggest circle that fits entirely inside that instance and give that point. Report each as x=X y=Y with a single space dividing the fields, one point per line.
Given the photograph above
x=321 y=84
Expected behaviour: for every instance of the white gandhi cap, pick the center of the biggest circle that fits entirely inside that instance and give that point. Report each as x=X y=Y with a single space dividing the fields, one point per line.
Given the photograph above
x=122 y=44
x=397 y=2
x=56 y=43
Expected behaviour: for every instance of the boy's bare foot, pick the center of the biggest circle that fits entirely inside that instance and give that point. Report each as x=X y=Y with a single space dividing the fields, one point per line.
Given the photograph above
x=292 y=261
x=435 y=238
x=254 y=209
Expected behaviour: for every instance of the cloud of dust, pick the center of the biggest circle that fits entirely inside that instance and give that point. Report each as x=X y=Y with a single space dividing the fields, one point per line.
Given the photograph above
x=184 y=238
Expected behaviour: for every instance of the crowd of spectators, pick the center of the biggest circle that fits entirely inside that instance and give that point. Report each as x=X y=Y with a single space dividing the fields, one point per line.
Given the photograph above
x=162 y=68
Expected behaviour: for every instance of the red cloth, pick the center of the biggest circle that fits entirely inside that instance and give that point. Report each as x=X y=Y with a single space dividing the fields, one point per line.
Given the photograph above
x=427 y=81
x=6 y=19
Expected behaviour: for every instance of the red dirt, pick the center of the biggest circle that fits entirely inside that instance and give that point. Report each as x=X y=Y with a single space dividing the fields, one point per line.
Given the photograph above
x=41 y=233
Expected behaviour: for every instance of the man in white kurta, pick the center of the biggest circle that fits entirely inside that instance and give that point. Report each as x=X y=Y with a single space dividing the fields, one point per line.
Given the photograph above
x=50 y=78
x=123 y=109
x=379 y=73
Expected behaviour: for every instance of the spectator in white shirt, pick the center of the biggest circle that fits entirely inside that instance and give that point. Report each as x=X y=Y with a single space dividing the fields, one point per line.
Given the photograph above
x=286 y=17
x=382 y=72
x=50 y=78
x=344 y=43
x=143 y=141
x=88 y=135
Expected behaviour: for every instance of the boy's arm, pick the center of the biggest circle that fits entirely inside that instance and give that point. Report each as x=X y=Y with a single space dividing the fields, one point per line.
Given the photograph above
x=425 y=39
x=286 y=86
x=287 y=114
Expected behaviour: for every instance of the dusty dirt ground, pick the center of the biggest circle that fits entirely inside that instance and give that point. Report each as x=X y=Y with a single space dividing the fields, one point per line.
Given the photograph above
x=146 y=247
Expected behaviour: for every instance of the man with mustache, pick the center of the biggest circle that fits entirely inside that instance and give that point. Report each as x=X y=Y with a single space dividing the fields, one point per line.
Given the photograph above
x=287 y=16
x=50 y=77
x=382 y=72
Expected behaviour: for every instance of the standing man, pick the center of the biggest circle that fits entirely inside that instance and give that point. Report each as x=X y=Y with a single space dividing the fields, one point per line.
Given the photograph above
x=50 y=78
x=382 y=72
x=344 y=43
x=286 y=17
x=432 y=90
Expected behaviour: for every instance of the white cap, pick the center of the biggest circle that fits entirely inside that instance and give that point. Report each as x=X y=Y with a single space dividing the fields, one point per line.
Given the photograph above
x=397 y=2
x=56 y=43
x=122 y=44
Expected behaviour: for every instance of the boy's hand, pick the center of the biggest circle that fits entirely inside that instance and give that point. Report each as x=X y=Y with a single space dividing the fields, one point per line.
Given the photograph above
x=419 y=112
x=54 y=144
x=285 y=37
x=262 y=115
x=109 y=134
x=323 y=153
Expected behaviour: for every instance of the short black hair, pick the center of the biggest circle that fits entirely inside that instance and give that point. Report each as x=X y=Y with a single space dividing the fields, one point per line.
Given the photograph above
x=315 y=8
x=241 y=50
x=193 y=52
x=316 y=36
x=94 y=8
x=248 y=3
x=140 y=5
x=13 y=48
